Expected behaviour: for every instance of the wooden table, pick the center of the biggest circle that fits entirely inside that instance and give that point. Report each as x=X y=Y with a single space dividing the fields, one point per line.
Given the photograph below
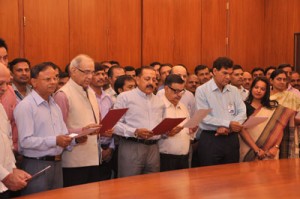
x=263 y=179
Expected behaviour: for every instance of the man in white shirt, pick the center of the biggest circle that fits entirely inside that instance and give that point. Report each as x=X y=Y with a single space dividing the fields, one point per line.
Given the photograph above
x=138 y=149
x=174 y=146
x=11 y=178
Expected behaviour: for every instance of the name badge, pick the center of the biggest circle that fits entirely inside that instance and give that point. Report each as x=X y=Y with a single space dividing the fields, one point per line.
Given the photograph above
x=231 y=108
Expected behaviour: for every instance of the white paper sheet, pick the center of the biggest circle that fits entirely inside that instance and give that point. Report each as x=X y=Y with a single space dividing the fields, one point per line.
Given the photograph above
x=198 y=116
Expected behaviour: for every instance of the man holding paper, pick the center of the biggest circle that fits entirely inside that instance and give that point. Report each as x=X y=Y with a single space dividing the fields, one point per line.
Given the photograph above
x=219 y=143
x=42 y=132
x=174 y=145
x=138 y=149
x=80 y=109
x=11 y=178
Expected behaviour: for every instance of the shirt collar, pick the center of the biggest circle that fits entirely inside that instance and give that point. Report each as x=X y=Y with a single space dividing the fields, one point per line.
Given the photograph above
x=38 y=99
x=141 y=93
x=169 y=104
x=214 y=86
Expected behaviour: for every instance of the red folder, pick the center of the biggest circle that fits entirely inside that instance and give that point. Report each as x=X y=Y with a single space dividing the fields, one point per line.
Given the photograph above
x=111 y=118
x=167 y=125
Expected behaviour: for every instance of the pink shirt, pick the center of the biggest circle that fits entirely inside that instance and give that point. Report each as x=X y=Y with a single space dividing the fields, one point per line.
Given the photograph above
x=9 y=102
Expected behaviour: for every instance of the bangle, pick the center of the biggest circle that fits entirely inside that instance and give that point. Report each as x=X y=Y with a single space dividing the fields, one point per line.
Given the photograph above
x=276 y=146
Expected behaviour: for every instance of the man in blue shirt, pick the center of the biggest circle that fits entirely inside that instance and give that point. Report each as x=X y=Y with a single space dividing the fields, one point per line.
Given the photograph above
x=42 y=131
x=219 y=143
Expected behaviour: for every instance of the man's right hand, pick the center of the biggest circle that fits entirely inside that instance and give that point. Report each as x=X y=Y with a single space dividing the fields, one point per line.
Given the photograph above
x=222 y=131
x=16 y=180
x=63 y=140
x=143 y=133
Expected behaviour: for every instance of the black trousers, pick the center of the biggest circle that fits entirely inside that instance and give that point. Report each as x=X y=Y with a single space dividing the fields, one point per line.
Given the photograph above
x=170 y=162
x=214 y=150
x=5 y=195
x=80 y=175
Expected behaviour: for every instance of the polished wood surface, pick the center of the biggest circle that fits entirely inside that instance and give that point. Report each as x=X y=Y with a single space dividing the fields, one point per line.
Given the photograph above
x=262 y=179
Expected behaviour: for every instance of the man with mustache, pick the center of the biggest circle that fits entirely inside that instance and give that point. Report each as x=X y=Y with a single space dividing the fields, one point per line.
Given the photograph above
x=20 y=70
x=203 y=73
x=192 y=83
x=236 y=79
x=219 y=142
x=138 y=149
x=105 y=103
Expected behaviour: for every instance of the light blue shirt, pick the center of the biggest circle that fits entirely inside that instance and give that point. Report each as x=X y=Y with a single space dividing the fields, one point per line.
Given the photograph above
x=105 y=103
x=39 y=122
x=226 y=105
x=145 y=111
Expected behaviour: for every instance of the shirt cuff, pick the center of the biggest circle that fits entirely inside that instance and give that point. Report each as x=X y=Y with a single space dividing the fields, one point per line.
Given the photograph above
x=3 y=173
x=51 y=141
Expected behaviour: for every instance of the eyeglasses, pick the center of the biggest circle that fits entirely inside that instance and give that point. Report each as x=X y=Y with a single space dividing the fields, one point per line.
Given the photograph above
x=86 y=72
x=176 y=91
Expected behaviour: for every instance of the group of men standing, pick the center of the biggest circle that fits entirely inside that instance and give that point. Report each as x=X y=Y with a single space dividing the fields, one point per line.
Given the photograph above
x=45 y=117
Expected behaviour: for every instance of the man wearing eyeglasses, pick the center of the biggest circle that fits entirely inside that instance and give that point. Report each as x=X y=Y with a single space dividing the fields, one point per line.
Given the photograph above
x=188 y=98
x=80 y=110
x=138 y=149
x=174 y=145
x=219 y=142
x=42 y=132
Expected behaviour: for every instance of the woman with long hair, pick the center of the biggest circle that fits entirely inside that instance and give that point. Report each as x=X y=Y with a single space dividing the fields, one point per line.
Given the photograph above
x=263 y=141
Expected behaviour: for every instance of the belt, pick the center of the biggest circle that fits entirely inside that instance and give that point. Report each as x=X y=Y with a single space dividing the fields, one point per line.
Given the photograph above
x=46 y=158
x=142 y=141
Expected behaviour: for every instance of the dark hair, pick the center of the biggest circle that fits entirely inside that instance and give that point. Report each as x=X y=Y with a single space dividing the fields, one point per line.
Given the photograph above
x=265 y=101
x=113 y=62
x=237 y=67
x=110 y=72
x=67 y=68
x=137 y=71
x=277 y=72
x=269 y=68
x=119 y=83
x=99 y=67
x=257 y=69
x=164 y=65
x=200 y=67
x=222 y=62
x=129 y=68
x=3 y=44
x=172 y=78
x=16 y=61
x=63 y=75
x=144 y=68
x=154 y=63
x=35 y=71
x=282 y=66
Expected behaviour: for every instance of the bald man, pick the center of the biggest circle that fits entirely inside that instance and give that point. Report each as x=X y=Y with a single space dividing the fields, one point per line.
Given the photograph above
x=11 y=178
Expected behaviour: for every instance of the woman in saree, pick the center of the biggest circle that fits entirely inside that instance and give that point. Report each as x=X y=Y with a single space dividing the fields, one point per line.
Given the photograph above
x=263 y=141
x=289 y=147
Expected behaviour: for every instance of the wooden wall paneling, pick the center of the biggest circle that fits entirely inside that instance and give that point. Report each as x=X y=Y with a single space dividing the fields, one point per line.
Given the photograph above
x=246 y=33
x=276 y=32
x=124 y=32
x=187 y=33
x=89 y=28
x=46 y=34
x=158 y=31
x=296 y=28
x=213 y=30
x=10 y=27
